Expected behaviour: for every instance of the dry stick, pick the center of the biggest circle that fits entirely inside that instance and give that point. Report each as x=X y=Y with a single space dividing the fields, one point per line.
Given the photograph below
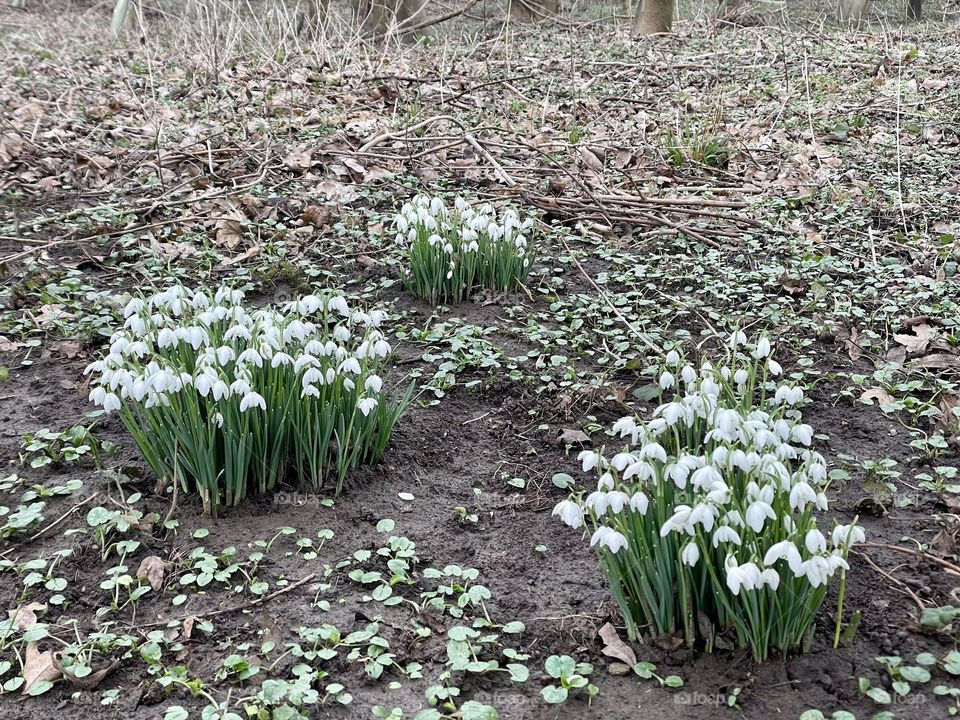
x=917 y=553
x=136 y=210
x=498 y=168
x=606 y=299
x=52 y=525
x=236 y=608
x=405 y=27
x=913 y=596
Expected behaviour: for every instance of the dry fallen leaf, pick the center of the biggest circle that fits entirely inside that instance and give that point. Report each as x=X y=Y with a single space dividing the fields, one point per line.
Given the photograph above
x=916 y=344
x=10 y=148
x=88 y=682
x=614 y=647
x=572 y=437
x=38 y=666
x=938 y=361
x=152 y=568
x=227 y=262
x=879 y=394
x=298 y=159
x=26 y=616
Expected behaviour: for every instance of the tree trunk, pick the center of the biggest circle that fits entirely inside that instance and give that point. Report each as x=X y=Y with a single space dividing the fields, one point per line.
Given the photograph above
x=914 y=9
x=653 y=17
x=533 y=10
x=853 y=12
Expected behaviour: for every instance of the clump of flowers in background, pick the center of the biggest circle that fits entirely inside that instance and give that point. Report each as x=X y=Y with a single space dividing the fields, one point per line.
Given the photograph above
x=705 y=522
x=451 y=252
x=227 y=401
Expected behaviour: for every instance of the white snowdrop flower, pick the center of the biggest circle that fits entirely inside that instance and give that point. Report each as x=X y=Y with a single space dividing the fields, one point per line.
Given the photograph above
x=705 y=477
x=815 y=542
x=737 y=338
x=822 y=503
x=111 y=402
x=609 y=538
x=835 y=561
x=690 y=555
x=702 y=513
x=597 y=502
x=770 y=578
x=672 y=412
x=569 y=512
x=203 y=384
x=240 y=387
x=382 y=348
x=654 y=451
x=225 y=354
x=250 y=356
x=624 y=426
x=816 y=570
x=673 y=358
x=138 y=348
x=680 y=520
x=763 y=348
x=784 y=550
x=311 y=375
x=725 y=533
x=688 y=375
x=842 y=534
x=773 y=367
x=350 y=365
x=341 y=333
x=802 y=434
x=667 y=380
x=622 y=460
x=734 y=519
x=757 y=514
x=801 y=495
x=238 y=331
x=589 y=459
x=720 y=494
x=741 y=577
x=338 y=303
x=220 y=390
x=678 y=473
x=639 y=502
x=725 y=373
x=330 y=376
x=400 y=223
x=640 y=469
x=366 y=405
x=251 y=400
x=741 y=376
x=280 y=358
x=348 y=384
x=166 y=338
x=605 y=482
x=98 y=395
x=617 y=500
x=133 y=307
x=310 y=391
x=373 y=384
x=720 y=455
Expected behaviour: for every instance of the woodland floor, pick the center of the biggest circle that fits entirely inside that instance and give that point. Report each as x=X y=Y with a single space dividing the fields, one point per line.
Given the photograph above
x=815 y=194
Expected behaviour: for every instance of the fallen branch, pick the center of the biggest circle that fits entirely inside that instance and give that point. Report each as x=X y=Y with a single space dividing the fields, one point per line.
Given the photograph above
x=236 y=608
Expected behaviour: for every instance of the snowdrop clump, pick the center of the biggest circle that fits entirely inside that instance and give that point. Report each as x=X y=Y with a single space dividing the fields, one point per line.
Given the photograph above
x=227 y=400
x=452 y=251
x=705 y=522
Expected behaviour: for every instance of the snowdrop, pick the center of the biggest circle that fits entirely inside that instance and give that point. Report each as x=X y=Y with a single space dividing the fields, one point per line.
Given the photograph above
x=725 y=458
x=203 y=372
x=452 y=251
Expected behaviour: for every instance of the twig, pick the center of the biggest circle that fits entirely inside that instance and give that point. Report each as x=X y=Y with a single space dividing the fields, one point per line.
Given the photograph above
x=52 y=525
x=236 y=608
x=913 y=596
x=917 y=553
